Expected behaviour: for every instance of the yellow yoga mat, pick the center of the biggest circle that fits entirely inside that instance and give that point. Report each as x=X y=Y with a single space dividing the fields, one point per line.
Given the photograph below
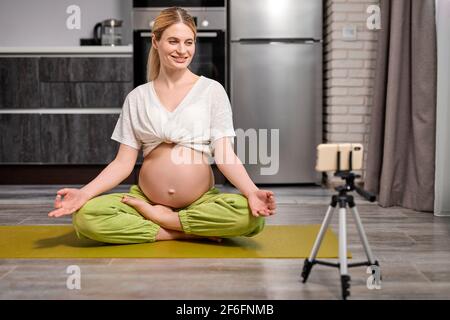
x=292 y=241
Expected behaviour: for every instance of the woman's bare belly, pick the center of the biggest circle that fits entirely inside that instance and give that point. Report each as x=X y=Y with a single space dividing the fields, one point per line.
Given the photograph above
x=175 y=176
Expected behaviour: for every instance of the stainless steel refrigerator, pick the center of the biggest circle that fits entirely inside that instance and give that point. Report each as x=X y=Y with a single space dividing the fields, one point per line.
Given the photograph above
x=276 y=84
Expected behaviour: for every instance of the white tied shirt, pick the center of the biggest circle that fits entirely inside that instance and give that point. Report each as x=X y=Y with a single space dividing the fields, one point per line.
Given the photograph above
x=203 y=116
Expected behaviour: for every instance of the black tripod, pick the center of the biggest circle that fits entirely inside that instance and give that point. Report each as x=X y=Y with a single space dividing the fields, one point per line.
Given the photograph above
x=343 y=199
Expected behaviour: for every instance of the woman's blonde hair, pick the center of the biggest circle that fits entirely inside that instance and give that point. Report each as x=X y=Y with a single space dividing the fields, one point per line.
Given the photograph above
x=165 y=19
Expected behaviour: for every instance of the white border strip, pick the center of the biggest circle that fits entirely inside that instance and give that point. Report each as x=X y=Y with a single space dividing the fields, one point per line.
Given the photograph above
x=68 y=50
x=66 y=55
x=63 y=111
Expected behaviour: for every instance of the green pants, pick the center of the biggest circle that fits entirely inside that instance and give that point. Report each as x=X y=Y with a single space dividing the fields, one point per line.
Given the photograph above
x=107 y=219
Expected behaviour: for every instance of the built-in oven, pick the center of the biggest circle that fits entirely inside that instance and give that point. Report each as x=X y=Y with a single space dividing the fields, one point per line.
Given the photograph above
x=210 y=48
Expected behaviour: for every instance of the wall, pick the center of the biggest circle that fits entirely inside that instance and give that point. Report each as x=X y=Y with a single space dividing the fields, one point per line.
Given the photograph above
x=349 y=74
x=43 y=22
x=442 y=182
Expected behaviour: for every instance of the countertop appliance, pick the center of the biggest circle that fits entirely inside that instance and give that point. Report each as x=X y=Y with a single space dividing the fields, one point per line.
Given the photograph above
x=108 y=32
x=276 y=84
x=210 y=48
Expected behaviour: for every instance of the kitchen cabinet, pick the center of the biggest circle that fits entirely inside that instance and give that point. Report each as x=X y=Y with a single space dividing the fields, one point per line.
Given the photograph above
x=77 y=138
x=20 y=138
x=57 y=138
x=71 y=69
x=64 y=82
x=19 y=83
x=84 y=94
x=84 y=82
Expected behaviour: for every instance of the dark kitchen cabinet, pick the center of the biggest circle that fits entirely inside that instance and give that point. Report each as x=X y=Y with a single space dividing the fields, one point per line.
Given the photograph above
x=65 y=69
x=19 y=83
x=78 y=138
x=57 y=138
x=84 y=94
x=84 y=82
x=20 y=138
x=63 y=82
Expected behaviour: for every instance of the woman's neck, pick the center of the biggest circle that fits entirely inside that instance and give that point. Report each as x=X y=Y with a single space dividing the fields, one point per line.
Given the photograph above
x=173 y=79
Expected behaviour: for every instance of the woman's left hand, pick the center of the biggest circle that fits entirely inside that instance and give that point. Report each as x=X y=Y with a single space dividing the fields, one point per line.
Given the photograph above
x=262 y=203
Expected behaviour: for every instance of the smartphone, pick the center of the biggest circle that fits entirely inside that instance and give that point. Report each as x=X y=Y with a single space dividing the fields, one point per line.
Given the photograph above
x=327 y=156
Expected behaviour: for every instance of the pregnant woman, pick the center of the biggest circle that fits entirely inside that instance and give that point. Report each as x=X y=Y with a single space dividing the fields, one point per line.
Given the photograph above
x=182 y=122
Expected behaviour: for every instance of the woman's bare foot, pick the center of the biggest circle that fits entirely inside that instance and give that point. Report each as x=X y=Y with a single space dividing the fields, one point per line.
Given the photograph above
x=143 y=207
x=159 y=214
x=168 y=220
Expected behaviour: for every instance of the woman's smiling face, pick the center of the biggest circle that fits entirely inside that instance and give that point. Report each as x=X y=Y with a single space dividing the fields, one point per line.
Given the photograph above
x=176 y=47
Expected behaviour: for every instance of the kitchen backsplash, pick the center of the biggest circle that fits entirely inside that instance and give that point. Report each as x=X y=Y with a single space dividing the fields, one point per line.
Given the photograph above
x=26 y=23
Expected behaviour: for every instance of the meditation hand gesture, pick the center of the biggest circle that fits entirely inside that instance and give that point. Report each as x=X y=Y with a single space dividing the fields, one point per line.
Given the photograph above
x=73 y=200
x=262 y=203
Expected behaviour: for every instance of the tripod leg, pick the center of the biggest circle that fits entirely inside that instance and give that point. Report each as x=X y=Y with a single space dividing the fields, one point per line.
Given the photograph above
x=343 y=266
x=362 y=235
x=320 y=236
x=308 y=264
x=343 y=241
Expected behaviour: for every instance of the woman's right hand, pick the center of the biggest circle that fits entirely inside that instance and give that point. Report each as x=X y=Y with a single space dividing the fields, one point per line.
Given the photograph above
x=73 y=200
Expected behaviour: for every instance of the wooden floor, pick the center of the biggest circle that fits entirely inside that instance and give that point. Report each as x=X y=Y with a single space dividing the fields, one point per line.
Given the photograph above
x=413 y=249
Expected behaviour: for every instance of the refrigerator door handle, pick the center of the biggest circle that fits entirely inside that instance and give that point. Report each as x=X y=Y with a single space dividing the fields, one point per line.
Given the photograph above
x=276 y=40
x=199 y=34
x=206 y=34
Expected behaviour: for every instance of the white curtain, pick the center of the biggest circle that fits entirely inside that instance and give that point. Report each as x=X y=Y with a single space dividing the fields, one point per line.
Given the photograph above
x=442 y=176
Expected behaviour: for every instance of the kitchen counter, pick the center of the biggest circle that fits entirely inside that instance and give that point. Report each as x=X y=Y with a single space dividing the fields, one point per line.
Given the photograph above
x=122 y=51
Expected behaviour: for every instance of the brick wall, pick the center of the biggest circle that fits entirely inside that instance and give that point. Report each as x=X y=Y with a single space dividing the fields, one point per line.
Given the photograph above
x=349 y=74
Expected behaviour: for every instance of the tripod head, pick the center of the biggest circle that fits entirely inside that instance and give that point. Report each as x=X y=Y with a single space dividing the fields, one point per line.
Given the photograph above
x=349 y=186
x=349 y=178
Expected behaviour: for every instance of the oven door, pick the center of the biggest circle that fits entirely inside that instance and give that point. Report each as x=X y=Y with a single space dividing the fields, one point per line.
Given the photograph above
x=208 y=61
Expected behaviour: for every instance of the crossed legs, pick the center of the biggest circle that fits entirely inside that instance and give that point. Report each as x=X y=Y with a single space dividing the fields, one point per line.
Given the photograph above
x=132 y=218
x=163 y=216
x=157 y=213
